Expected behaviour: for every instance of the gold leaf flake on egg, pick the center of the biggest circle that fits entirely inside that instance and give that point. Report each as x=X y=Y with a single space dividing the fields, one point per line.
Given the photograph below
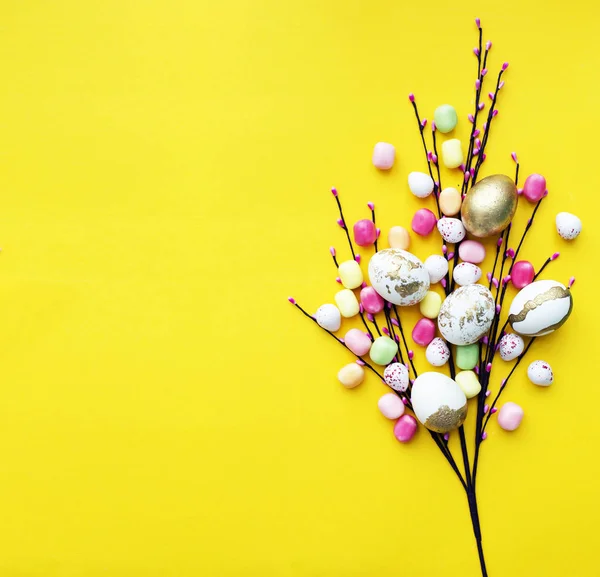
x=446 y=419
x=554 y=293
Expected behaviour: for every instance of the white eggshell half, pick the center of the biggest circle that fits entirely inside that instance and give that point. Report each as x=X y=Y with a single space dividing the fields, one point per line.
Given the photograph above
x=466 y=314
x=398 y=276
x=466 y=273
x=540 y=373
x=511 y=346
x=396 y=377
x=438 y=402
x=329 y=317
x=568 y=225
x=451 y=229
x=437 y=267
x=420 y=184
x=540 y=308
x=437 y=352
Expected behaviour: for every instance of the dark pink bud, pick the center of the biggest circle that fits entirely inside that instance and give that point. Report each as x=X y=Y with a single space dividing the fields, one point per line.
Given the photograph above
x=476 y=51
x=483 y=157
x=338 y=280
x=411 y=355
x=501 y=85
x=491 y=95
x=478 y=22
x=386 y=331
x=397 y=338
x=471 y=118
x=477 y=84
x=450 y=255
x=433 y=127
x=494 y=410
x=444 y=249
x=443 y=283
x=499 y=242
x=332 y=251
x=292 y=300
x=462 y=167
x=506 y=279
x=488 y=45
x=404 y=399
x=446 y=436
x=478 y=142
x=429 y=156
x=434 y=158
x=555 y=256
x=498 y=309
x=370 y=317
x=571 y=281
x=488 y=393
x=472 y=171
x=495 y=113
x=395 y=323
x=513 y=155
x=484 y=127
x=467 y=176
x=411 y=97
x=488 y=367
x=340 y=222
x=360 y=362
x=363 y=285
x=485 y=340
x=519 y=191
x=486 y=408
x=483 y=436
x=503 y=383
x=489 y=276
x=334 y=191
x=378 y=232
x=476 y=132
x=424 y=122
x=481 y=105
x=505 y=66
x=476 y=151
x=476 y=369
x=510 y=253
x=388 y=305
x=371 y=205
x=484 y=72
x=495 y=282
x=357 y=258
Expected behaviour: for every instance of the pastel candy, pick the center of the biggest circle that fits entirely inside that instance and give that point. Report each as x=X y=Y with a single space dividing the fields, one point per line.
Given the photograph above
x=452 y=154
x=365 y=232
x=445 y=118
x=424 y=332
x=510 y=416
x=383 y=350
x=469 y=383
x=534 y=188
x=347 y=303
x=398 y=237
x=450 y=201
x=522 y=274
x=350 y=274
x=371 y=301
x=328 y=317
x=405 y=428
x=423 y=222
x=384 y=154
x=451 y=229
x=467 y=356
x=471 y=251
x=437 y=267
x=430 y=305
x=358 y=342
x=391 y=406
x=420 y=184
x=351 y=375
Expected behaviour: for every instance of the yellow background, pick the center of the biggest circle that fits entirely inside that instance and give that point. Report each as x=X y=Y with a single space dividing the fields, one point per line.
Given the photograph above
x=164 y=169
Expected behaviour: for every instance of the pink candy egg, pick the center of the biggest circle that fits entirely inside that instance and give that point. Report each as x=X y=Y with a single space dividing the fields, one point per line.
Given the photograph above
x=522 y=274
x=365 y=233
x=383 y=155
x=423 y=221
x=424 y=332
x=471 y=251
x=391 y=406
x=405 y=428
x=371 y=301
x=358 y=342
x=510 y=416
x=534 y=188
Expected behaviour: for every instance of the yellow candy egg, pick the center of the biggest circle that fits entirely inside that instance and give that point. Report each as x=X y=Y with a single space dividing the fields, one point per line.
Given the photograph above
x=347 y=302
x=398 y=237
x=450 y=201
x=452 y=154
x=469 y=383
x=350 y=274
x=351 y=375
x=430 y=305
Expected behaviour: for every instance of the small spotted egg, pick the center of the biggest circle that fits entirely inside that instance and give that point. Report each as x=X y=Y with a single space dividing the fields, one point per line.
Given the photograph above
x=511 y=346
x=540 y=373
x=437 y=267
x=466 y=273
x=329 y=317
x=451 y=229
x=568 y=225
x=437 y=352
x=396 y=377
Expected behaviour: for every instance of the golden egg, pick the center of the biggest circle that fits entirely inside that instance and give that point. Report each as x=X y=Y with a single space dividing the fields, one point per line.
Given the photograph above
x=489 y=206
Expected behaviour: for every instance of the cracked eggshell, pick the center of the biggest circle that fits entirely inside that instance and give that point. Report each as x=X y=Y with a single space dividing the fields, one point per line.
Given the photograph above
x=398 y=276
x=466 y=314
x=540 y=308
x=438 y=402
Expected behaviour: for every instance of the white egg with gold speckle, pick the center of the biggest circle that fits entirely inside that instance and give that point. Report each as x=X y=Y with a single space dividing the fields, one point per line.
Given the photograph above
x=466 y=314
x=398 y=276
x=438 y=402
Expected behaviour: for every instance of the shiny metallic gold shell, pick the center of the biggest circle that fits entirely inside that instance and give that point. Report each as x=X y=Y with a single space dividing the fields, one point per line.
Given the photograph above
x=489 y=206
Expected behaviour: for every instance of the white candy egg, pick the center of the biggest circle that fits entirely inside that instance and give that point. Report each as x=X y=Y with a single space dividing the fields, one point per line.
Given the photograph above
x=420 y=184
x=398 y=276
x=451 y=229
x=438 y=402
x=540 y=373
x=540 y=308
x=437 y=352
x=466 y=314
x=466 y=273
x=511 y=346
x=396 y=377
x=329 y=317
x=568 y=225
x=437 y=267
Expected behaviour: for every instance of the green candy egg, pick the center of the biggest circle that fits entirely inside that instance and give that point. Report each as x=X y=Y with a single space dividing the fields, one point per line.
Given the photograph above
x=383 y=350
x=467 y=356
x=445 y=118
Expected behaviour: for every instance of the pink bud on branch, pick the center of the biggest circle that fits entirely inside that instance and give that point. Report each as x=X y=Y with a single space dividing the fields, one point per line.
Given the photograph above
x=371 y=205
x=411 y=97
x=292 y=300
x=332 y=251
